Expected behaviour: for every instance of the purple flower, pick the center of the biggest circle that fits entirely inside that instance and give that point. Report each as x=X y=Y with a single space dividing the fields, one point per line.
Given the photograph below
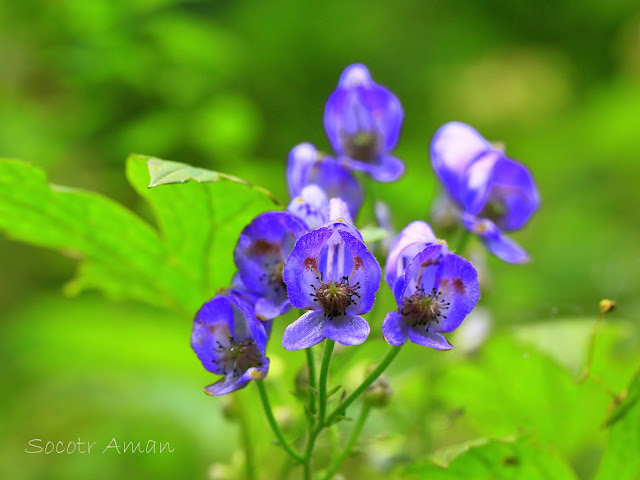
x=307 y=166
x=362 y=120
x=229 y=341
x=260 y=255
x=485 y=184
x=434 y=292
x=311 y=206
x=331 y=273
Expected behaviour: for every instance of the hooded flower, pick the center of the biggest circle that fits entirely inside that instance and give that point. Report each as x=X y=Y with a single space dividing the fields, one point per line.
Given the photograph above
x=486 y=185
x=331 y=273
x=307 y=166
x=260 y=255
x=363 y=120
x=434 y=290
x=229 y=341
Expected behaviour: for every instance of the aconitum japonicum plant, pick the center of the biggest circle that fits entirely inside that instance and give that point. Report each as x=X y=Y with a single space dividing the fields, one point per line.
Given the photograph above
x=313 y=258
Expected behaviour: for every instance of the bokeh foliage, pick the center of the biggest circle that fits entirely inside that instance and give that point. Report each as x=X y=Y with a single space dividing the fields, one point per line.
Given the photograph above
x=233 y=86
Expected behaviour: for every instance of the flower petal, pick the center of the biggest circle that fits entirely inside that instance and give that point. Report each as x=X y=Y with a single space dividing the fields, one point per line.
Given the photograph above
x=478 y=179
x=301 y=158
x=225 y=385
x=457 y=281
x=311 y=206
x=262 y=247
x=301 y=268
x=500 y=245
x=365 y=271
x=409 y=242
x=428 y=339
x=347 y=329
x=268 y=308
x=421 y=272
x=394 y=329
x=454 y=146
x=514 y=187
x=384 y=168
x=305 y=332
x=337 y=181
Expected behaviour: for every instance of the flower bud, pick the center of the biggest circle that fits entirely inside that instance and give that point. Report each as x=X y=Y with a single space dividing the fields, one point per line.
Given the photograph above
x=378 y=394
x=607 y=305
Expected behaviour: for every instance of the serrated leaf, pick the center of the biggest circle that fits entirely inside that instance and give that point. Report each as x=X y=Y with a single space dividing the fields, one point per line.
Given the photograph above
x=621 y=460
x=178 y=267
x=497 y=460
x=165 y=172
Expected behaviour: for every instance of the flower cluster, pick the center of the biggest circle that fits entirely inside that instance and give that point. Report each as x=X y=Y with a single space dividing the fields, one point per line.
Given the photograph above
x=313 y=258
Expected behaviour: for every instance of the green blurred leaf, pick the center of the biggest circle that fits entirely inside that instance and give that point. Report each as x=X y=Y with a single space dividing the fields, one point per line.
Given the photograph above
x=123 y=256
x=621 y=460
x=513 y=386
x=498 y=460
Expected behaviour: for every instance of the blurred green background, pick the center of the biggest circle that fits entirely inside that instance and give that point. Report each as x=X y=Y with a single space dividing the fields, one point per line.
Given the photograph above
x=232 y=86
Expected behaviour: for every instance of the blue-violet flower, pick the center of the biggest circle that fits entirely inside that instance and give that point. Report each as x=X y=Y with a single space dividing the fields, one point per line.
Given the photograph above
x=434 y=292
x=363 y=120
x=331 y=273
x=229 y=341
x=495 y=192
x=260 y=255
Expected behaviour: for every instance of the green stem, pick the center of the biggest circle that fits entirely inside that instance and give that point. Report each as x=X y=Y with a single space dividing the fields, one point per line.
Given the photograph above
x=322 y=408
x=312 y=379
x=272 y=421
x=386 y=361
x=247 y=444
x=355 y=433
x=324 y=374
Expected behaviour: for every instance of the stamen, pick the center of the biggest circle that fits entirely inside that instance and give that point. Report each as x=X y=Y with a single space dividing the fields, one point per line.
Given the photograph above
x=237 y=357
x=421 y=309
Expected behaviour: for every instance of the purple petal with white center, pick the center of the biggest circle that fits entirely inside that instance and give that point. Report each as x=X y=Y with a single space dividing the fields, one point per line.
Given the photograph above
x=513 y=187
x=365 y=271
x=311 y=206
x=394 y=329
x=457 y=282
x=301 y=268
x=305 y=332
x=500 y=245
x=409 y=242
x=454 y=146
x=428 y=339
x=347 y=329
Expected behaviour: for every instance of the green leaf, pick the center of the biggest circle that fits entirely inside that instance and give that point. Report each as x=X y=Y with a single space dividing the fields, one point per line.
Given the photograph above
x=178 y=267
x=621 y=460
x=516 y=387
x=497 y=460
